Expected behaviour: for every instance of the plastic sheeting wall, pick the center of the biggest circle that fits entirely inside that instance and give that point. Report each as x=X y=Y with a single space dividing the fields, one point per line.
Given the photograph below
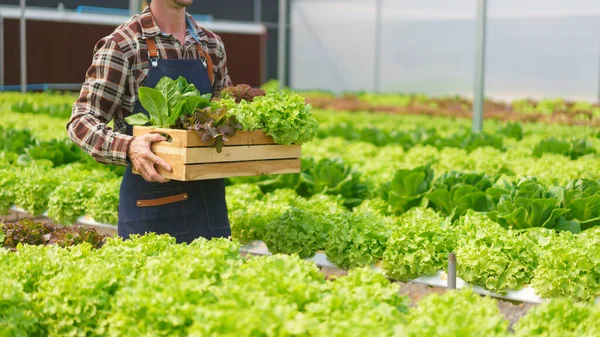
x=535 y=48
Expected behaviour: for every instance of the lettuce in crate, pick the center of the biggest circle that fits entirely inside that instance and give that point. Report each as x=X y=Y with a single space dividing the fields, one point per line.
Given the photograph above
x=285 y=116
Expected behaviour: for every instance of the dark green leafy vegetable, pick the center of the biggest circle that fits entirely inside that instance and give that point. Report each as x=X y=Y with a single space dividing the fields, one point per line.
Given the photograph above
x=12 y=140
x=512 y=130
x=168 y=103
x=333 y=176
x=407 y=188
x=574 y=149
x=454 y=193
x=530 y=204
x=582 y=198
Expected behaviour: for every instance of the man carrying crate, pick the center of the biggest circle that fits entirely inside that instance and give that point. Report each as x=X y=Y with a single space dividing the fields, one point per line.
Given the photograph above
x=162 y=41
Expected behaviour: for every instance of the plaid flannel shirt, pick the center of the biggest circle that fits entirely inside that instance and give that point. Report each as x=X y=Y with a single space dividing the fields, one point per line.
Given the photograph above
x=120 y=65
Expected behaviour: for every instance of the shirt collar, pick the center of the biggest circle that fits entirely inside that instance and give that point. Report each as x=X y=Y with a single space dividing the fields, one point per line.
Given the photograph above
x=150 y=29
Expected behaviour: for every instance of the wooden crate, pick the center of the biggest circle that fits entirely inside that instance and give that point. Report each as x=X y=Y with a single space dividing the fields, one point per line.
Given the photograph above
x=248 y=153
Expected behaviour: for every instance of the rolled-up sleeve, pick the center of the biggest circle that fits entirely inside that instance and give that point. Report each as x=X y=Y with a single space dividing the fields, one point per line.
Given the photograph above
x=100 y=100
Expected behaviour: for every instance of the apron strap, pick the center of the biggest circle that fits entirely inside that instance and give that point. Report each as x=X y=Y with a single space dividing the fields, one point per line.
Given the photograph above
x=208 y=59
x=153 y=57
x=152 y=52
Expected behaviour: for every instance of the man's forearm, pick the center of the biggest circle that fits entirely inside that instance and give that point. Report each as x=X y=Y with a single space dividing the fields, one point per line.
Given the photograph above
x=99 y=141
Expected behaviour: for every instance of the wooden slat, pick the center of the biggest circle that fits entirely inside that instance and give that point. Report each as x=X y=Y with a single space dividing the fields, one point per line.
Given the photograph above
x=240 y=169
x=199 y=155
x=178 y=172
x=240 y=138
x=186 y=138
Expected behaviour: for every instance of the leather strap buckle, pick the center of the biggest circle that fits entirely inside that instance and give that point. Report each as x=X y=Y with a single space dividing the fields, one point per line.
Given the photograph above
x=153 y=59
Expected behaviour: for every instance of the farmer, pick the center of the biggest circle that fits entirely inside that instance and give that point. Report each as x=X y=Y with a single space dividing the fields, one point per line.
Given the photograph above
x=162 y=41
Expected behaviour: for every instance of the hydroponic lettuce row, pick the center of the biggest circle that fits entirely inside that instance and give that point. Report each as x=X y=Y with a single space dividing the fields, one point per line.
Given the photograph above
x=356 y=173
x=150 y=286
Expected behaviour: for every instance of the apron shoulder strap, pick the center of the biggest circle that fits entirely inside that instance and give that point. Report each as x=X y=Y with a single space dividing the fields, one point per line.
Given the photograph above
x=153 y=57
x=152 y=52
x=209 y=62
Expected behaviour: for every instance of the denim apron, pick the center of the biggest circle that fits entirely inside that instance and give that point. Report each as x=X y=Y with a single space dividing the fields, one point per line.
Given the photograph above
x=185 y=210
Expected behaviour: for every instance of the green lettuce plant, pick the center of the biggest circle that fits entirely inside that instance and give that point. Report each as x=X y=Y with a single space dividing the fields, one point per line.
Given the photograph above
x=492 y=257
x=418 y=246
x=407 y=188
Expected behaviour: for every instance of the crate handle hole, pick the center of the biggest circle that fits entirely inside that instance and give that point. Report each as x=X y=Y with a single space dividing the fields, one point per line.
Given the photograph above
x=166 y=135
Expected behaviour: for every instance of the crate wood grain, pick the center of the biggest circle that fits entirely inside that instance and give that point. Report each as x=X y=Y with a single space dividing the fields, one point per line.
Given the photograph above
x=248 y=153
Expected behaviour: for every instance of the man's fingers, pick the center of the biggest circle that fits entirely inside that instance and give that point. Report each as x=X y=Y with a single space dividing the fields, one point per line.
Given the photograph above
x=153 y=175
x=142 y=170
x=159 y=161
x=155 y=137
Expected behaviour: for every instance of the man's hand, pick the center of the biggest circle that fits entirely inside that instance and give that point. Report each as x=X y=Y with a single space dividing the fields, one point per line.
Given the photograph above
x=143 y=160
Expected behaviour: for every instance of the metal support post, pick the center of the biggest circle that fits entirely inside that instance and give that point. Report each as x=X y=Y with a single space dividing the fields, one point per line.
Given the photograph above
x=282 y=43
x=257 y=11
x=134 y=6
x=598 y=99
x=377 y=62
x=1 y=50
x=23 y=40
x=479 y=96
x=451 y=271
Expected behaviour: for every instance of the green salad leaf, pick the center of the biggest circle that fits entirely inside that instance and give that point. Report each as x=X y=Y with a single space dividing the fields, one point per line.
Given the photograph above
x=418 y=246
x=569 y=266
x=560 y=317
x=492 y=257
x=454 y=193
x=358 y=240
x=407 y=188
x=470 y=316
